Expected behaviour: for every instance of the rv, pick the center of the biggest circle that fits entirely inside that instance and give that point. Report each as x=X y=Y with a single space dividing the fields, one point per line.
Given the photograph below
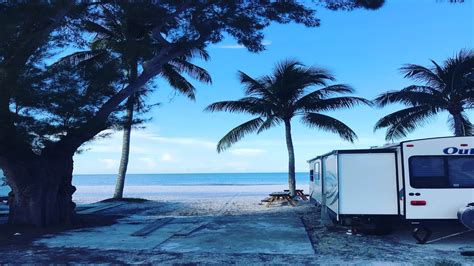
x=417 y=181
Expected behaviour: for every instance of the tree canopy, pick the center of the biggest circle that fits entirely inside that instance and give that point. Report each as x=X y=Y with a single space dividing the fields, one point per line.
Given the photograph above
x=442 y=87
x=34 y=111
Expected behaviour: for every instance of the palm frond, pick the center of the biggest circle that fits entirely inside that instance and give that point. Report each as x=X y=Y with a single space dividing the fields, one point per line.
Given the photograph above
x=198 y=52
x=456 y=70
x=292 y=78
x=268 y=123
x=402 y=122
x=322 y=93
x=335 y=103
x=330 y=124
x=286 y=66
x=192 y=70
x=335 y=89
x=251 y=85
x=178 y=82
x=77 y=58
x=412 y=96
x=238 y=133
x=423 y=74
x=250 y=105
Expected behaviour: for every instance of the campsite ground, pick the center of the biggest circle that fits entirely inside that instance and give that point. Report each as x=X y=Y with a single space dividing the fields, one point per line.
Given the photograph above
x=224 y=228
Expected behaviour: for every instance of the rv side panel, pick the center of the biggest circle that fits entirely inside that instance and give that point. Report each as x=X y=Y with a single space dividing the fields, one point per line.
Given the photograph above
x=331 y=183
x=368 y=184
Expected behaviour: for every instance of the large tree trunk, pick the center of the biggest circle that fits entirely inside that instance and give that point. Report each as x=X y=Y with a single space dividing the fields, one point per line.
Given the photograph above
x=127 y=130
x=291 y=159
x=41 y=191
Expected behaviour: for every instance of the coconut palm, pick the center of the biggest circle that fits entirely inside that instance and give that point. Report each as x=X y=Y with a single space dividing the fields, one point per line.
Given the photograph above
x=448 y=87
x=124 y=34
x=288 y=92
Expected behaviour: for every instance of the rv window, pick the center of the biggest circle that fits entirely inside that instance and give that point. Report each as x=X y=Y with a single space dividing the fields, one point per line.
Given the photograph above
x=428 y=172
x=461 y=172
x=311 y=175
x=441 y=171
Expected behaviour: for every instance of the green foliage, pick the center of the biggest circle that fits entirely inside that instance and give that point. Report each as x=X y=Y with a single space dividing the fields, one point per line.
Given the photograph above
x=58 y=107
x=283 y=95
x=50 y=102
x=124 y=35
x=448 y=87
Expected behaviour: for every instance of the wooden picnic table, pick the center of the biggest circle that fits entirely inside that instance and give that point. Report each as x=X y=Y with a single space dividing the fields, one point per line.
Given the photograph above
x=279 y=196
x=299 y=192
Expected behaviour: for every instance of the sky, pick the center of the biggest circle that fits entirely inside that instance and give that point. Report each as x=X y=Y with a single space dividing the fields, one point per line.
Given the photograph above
x=362 y=48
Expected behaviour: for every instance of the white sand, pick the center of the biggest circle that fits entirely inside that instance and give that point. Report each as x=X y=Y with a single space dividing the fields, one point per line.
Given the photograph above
x=191 y=200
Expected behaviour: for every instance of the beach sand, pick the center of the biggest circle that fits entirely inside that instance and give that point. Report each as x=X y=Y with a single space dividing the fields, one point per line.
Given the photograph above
x=226 y=224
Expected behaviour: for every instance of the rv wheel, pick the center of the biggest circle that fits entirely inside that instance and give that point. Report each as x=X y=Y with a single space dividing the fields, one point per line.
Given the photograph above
x=421 y=234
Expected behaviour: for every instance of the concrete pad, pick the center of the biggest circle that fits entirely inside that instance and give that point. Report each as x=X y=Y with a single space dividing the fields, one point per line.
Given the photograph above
x=245 y=234
x=114 y=237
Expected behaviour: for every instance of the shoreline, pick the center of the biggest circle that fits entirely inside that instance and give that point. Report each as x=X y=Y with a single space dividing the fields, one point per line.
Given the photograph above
x=94 y=193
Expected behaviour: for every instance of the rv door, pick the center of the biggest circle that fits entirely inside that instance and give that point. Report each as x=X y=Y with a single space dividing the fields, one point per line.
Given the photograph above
x=330 y=185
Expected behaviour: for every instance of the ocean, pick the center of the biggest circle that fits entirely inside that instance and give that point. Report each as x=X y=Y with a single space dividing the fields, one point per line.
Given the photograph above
x=92 y=188
x=210 y=179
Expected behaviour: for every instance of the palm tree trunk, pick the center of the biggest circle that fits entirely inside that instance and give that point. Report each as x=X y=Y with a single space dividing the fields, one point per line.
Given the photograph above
x=291 y=159
x=127 y=131
x=458 y=125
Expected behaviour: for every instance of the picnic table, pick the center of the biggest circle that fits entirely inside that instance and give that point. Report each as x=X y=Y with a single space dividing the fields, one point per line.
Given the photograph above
x=279 y=196
x=299 y=192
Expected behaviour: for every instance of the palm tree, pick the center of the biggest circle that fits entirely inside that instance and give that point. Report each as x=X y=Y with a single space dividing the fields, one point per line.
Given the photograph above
x=281 y=96
x=449 y=87
x=123 y=33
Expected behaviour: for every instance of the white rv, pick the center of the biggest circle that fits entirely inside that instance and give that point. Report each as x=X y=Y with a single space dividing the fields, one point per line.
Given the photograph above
x=417 y=180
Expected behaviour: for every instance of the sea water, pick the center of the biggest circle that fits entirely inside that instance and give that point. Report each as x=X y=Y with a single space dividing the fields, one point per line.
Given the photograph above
x=95 y=187
x=211 y=179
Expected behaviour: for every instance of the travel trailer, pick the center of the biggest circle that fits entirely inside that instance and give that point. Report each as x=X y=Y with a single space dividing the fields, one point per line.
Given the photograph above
x=419 y=181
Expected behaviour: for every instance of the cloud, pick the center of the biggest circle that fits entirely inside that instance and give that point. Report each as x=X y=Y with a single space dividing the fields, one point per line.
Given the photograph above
x=177 y=140
x=109 y=163
x=239 y=46
x=247 y=152
x=166 y=157
x=149 y=162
